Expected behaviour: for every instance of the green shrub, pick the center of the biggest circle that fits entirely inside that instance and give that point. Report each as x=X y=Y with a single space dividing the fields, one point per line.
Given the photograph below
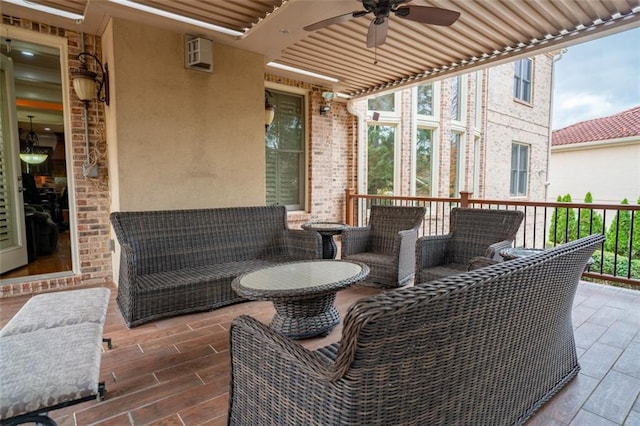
x=563 y=223
x=622 y=267
x=619 y=231
x=590 y=221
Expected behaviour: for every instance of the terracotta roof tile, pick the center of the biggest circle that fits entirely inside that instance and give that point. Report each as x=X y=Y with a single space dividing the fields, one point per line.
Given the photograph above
x=621 y=125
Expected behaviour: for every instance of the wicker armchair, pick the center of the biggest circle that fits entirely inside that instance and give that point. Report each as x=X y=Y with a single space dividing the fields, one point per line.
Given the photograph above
x=486 y=347
x=386 y=245
x=475 y=238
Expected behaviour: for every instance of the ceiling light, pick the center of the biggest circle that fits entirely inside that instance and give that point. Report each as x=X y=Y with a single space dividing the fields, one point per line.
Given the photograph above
x=25 y=53
x=32 y=153
x=303 y=72
x=176 y=17
x=47 y=9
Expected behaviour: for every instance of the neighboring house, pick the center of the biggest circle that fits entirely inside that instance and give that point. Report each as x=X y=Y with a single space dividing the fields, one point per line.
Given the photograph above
x=601 y=156
x=485 y=132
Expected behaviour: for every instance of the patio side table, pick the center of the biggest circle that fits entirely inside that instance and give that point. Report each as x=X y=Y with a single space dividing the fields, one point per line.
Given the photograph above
x=327 y=230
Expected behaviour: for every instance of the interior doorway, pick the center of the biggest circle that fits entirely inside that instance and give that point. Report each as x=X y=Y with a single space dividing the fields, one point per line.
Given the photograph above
x=38 y=185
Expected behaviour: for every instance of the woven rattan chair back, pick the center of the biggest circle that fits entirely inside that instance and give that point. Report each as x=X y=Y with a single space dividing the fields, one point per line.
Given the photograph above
x=474 y=230
x=387 y=221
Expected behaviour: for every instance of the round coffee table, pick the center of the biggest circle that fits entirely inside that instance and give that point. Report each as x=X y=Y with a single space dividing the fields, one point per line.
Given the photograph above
x=327 y=230
x=303 y=293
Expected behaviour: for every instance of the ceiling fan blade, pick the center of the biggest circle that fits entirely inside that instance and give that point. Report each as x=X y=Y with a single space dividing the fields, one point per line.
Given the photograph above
x=335 y=20
x=428 y=15
x=377 y=34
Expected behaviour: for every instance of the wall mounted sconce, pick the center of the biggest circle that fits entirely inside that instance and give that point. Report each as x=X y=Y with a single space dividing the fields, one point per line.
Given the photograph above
x=324 y=109
x=269 y=110
x=32 y=153
x=87 y=84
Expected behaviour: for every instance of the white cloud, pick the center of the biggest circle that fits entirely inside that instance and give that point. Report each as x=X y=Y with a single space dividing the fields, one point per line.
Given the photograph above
x=584 y=105
x=597 y=78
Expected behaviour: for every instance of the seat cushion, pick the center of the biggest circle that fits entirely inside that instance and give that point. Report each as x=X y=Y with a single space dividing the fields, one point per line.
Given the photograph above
x=435 y=273
x=59 y=309
x=48 y=367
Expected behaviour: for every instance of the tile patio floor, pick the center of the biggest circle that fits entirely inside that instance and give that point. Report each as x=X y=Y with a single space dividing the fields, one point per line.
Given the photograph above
x=176 y=371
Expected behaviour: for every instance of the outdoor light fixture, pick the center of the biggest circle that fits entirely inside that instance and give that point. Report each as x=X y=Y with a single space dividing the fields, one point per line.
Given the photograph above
x=86 y=81
x=269 y=110
x=32 y=153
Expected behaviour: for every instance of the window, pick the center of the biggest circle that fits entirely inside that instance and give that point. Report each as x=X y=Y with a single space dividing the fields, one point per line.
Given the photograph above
x=519 y=169
x=456 y=86
x=424 y=162
x=285 y=152
x=455 y=164
x=425 y=99
x=380 y=159
x=522 y=80
x=382 y=103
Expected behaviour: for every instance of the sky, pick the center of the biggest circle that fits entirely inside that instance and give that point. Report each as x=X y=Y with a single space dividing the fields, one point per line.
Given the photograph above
x=597 y=78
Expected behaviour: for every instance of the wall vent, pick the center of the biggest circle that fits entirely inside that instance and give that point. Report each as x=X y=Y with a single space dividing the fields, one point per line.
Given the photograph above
x=198 y=54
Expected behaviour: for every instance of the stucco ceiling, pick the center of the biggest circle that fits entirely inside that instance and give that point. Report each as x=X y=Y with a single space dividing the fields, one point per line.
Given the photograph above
x=488 y=32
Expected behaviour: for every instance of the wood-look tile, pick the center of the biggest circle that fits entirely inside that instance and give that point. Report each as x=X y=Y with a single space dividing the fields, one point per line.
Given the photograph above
x=121 y=420
x=122 y=404
x=218 y=372
x=118 y=388
x=174 y=339
x=153 y=361
x=205 y=411
x=614 y=396
x=160 y=409
x=191 y=366
x=207 y=339
x=183 y=354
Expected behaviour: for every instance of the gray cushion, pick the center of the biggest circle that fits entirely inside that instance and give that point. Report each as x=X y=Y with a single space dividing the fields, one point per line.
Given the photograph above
x=59 y=309
x=49 y=366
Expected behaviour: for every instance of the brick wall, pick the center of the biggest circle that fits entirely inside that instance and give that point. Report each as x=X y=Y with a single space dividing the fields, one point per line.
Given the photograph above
x=91 y=195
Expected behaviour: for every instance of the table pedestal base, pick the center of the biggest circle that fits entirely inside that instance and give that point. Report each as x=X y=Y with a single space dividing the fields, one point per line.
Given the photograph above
x=303 y=318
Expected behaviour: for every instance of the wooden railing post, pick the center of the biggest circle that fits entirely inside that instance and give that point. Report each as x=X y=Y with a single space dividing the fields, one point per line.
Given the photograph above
x=464 y=198
x=349 y=206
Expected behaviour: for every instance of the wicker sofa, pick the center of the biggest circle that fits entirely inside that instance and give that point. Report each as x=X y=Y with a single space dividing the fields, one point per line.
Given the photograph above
x=176 y=262
x=485 y=347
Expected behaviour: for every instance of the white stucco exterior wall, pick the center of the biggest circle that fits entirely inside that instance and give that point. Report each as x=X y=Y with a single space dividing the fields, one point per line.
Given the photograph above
x=610 y=170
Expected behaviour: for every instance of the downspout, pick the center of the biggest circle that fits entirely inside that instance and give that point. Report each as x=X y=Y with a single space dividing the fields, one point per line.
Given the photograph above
x=361 y=139
x=556 y=58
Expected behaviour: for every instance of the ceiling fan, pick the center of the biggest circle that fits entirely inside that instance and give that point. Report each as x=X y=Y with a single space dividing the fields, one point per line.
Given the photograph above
x=381 y=9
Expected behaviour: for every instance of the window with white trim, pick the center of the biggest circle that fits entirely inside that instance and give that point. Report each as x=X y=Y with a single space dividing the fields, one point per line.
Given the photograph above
x=522 y=79
x=456 y=98
x=285 y=151
x=455 y=164
x=519 y=169
x=381 y=159
x=424 y=163
x=425 y=100
x=383 y=103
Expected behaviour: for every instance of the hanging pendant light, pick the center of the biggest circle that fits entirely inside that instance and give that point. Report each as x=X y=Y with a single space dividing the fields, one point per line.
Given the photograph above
x=32 y=153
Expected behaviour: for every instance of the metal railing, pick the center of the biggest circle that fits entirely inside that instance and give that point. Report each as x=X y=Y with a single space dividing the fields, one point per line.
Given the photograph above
x=545 y=225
